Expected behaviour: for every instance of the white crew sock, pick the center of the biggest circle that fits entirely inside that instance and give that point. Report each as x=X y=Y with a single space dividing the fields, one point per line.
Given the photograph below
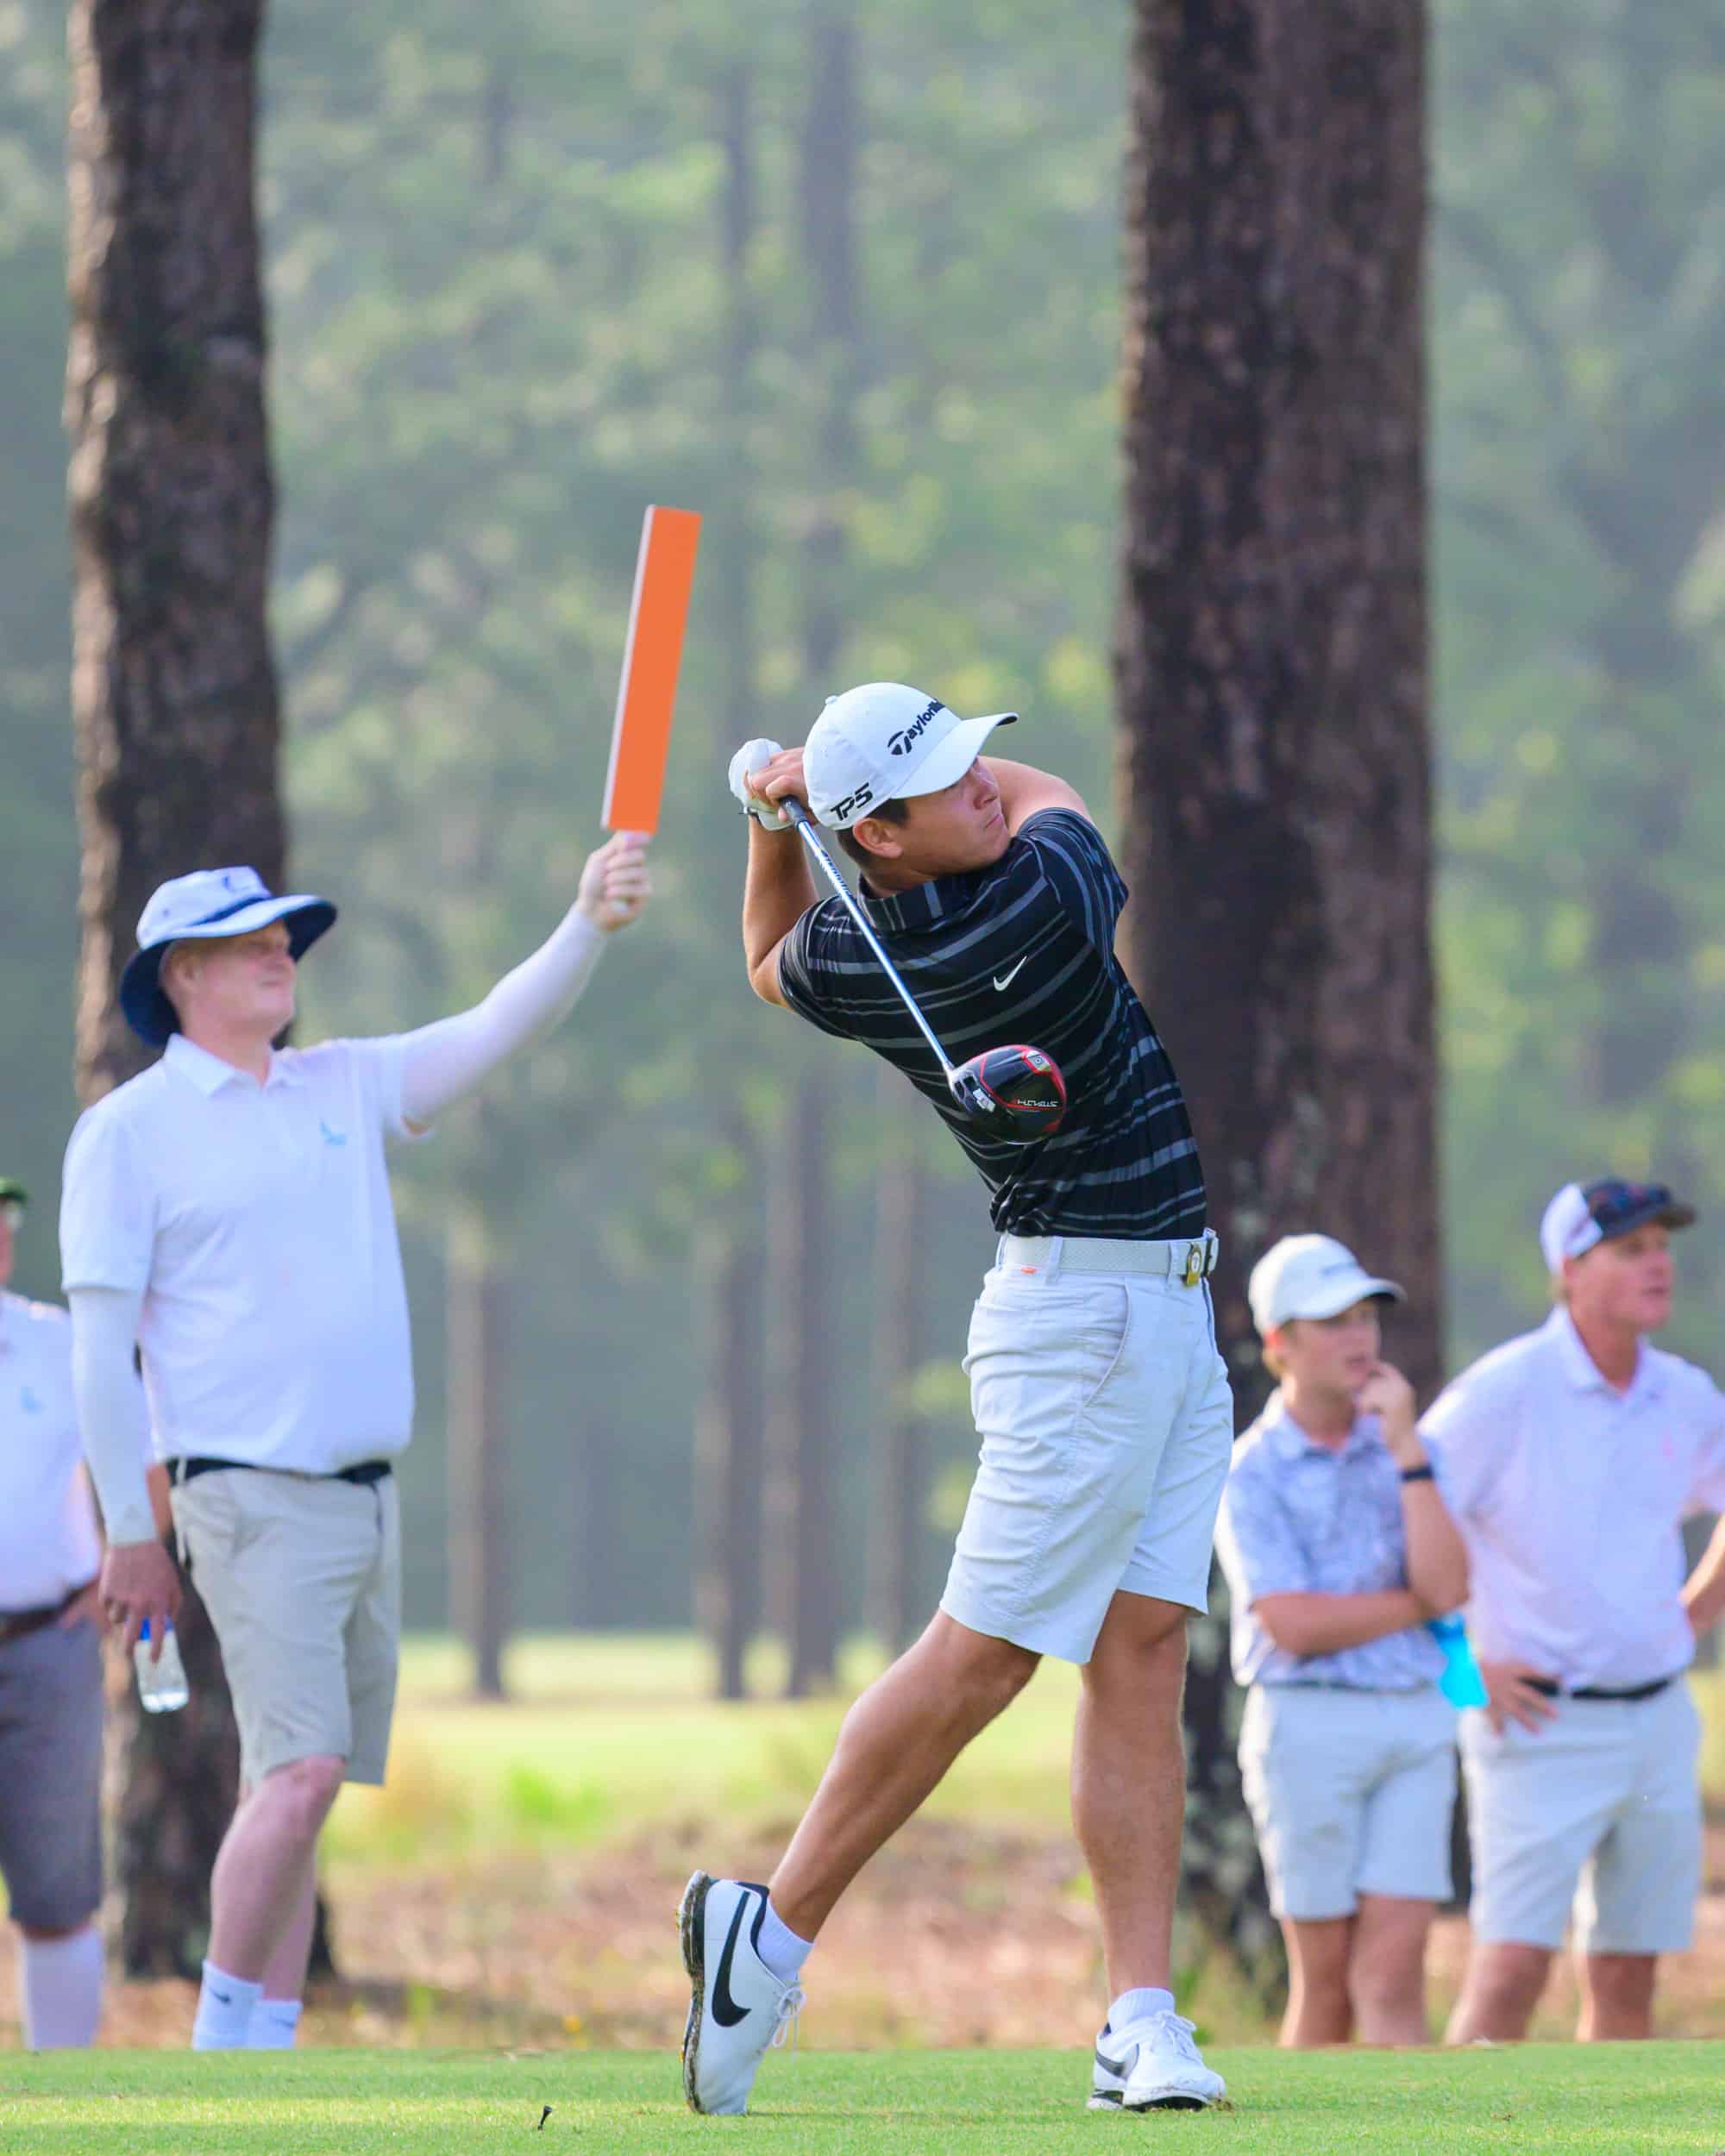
x=274 y=2025
x=61 y=1986
x=779 y=1948
x=224 y=2010
x=1139 y=2005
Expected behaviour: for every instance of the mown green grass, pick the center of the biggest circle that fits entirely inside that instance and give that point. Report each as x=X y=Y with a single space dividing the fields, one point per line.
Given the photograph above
x=1641 y=2100
x=611 y=1734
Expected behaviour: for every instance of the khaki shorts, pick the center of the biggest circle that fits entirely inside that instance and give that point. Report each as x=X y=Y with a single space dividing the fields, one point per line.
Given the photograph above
x=1596 y=1815
x=1106 y=1428
x=301 y=1575
x=1351 y=1792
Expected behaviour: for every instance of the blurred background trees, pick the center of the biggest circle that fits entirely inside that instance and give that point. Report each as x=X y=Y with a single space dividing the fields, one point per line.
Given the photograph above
x=527 y=270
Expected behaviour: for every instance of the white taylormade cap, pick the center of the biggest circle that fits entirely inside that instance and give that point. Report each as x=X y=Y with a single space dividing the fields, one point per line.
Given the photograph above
x=884 y=742
x=1310 y=1276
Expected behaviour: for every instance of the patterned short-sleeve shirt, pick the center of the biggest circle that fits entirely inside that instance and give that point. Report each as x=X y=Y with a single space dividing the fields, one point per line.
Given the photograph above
x=1301 y=1518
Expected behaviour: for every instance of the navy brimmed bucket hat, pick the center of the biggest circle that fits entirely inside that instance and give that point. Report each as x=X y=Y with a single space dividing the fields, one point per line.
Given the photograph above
x=207 y=904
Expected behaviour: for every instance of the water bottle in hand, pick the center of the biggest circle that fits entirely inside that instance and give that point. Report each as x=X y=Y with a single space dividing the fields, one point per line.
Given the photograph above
x=161 y=1683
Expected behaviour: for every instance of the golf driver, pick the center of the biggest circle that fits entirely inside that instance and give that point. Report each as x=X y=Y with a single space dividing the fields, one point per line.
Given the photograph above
x=1016 y=1093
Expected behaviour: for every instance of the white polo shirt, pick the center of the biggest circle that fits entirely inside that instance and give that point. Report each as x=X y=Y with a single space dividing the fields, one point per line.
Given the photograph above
x=1571 y=1496
x=258 y=1223
x=48 y=1538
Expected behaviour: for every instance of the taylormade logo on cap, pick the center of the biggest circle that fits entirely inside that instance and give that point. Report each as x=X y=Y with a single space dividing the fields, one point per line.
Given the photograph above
x=885 y=740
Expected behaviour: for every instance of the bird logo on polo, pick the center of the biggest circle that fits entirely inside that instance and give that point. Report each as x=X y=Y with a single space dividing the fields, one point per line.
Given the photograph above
x=29 y=1401
x=331 y=1137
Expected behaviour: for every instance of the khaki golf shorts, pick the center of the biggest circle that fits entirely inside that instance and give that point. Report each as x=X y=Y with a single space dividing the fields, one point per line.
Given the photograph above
x=1594 y=1816
x=1107 y=1427
x=301 y=1575
x=1351 y=1792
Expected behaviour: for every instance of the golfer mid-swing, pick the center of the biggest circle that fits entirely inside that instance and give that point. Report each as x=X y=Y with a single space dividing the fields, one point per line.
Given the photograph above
x=1101 y=1402
x=229 y=1211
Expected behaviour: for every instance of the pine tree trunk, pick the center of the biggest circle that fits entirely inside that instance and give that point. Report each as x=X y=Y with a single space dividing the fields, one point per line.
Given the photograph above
x=173 y=690
x=1271 y=679
x=478 y=1455
x=800 y=1546
x=729 y=1455
x=728 y=1448
x=901 y=1229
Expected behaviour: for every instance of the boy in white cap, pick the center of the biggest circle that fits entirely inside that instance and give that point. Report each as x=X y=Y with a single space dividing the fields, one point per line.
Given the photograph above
x=1571 y=1456
x=1338 y=1550
x=1103 y=1404
x=229 y=1211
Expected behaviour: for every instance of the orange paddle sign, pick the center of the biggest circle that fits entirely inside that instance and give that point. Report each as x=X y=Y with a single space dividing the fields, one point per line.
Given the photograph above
x=640 y=739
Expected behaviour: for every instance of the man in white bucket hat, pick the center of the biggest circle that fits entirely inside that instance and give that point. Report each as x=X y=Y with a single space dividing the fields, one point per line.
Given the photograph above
x=228 y=1213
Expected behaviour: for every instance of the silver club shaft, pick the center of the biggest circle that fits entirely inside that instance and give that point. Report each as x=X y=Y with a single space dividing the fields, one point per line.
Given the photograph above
x=804 y=822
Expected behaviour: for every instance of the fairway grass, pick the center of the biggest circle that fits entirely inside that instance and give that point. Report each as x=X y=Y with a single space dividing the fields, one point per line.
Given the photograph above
x=1539 y=2100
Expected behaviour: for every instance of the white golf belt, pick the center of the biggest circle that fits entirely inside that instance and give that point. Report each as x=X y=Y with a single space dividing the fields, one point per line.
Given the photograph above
x=1111 y=1253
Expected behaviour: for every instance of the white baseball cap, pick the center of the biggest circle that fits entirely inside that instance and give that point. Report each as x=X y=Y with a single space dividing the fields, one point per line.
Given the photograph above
x=1582 y=1214
x=1310 y=1276
x=884 y=742
x=207 y=904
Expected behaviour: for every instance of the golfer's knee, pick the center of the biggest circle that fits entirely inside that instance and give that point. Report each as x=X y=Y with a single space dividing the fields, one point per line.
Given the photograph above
x=300 y=1794
x=1505 y=1980
x=989 y=1673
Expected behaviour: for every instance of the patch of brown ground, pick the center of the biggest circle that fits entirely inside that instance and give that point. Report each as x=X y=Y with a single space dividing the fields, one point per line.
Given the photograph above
x=950 y=1937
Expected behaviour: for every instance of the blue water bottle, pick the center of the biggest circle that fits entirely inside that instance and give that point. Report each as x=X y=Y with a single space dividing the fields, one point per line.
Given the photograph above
x=1461 y=1684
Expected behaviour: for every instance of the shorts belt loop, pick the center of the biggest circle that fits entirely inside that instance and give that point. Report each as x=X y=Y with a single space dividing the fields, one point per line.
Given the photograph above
x=1056 y=1244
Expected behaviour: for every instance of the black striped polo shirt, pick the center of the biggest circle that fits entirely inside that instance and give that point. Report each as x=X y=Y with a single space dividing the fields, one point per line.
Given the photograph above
x=1020 y=951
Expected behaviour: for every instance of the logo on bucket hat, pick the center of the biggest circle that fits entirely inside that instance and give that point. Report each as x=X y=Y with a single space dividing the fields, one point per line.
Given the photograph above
x=206 y=905
x=884 y=741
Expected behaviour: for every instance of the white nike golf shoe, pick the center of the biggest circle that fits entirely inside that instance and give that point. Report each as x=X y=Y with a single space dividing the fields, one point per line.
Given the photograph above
x=1152 y=2065
x=737 y=2008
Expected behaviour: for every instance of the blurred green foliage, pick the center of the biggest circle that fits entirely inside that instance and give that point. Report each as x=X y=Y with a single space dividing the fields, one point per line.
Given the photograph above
x=501 y=325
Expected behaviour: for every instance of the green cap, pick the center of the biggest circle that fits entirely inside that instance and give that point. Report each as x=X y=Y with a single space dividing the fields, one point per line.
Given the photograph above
x=12 y=1192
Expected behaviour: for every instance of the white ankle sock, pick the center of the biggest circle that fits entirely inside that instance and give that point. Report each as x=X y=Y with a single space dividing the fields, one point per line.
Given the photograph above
x=779 y=1948
x=224 y=2010
x=274 y=2025
x=60 y=1988
x=1139 y=2005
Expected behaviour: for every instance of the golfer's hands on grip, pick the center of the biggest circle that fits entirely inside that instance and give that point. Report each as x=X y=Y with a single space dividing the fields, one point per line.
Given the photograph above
x=1510 y=1698
x=139 y=1580
x=762 y=774
x=615 y=884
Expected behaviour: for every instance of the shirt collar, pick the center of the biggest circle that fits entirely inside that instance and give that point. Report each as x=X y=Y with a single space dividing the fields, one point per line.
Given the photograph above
x=926 y=905
x=1585 y=1375
x=1289 y=1442
x=209 y=1073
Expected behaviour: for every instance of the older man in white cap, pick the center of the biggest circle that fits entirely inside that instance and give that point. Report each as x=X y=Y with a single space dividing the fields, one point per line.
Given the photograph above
x=1339 y=1550
x=1571 y=1456
x=228 y=1211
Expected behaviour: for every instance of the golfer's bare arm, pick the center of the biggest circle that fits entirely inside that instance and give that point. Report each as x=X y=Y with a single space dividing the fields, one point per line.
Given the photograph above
x=777 y=891
x=1324 y=1623
x=1025 y=791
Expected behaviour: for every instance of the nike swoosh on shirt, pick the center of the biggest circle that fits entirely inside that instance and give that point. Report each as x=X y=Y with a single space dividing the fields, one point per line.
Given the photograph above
x=725 y=2010
x=1004 y=980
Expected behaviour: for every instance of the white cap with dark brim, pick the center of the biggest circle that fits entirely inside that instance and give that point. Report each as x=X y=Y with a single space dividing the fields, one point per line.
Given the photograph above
x=208 y=904
x=1311 y=1276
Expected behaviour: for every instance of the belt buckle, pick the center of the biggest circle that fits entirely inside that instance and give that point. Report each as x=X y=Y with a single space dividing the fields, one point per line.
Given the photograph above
x=1196 y=1254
